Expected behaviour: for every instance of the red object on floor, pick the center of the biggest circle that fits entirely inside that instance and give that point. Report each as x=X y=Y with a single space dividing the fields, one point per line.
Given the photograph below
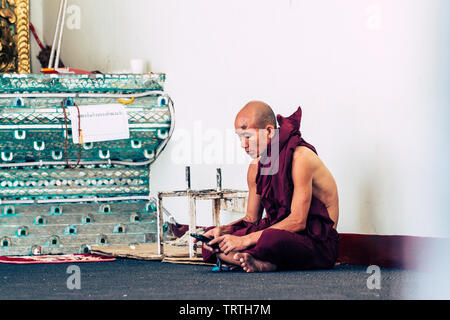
x=63 y=258
x=392 y=251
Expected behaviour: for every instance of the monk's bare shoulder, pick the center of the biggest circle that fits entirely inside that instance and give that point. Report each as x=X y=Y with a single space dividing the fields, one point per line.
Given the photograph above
x=304 y=151
x=323 y=184
x=305 y=157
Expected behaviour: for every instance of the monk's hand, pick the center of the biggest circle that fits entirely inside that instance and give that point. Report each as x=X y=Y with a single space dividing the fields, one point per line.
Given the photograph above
x=212 y=234
x=228 y=243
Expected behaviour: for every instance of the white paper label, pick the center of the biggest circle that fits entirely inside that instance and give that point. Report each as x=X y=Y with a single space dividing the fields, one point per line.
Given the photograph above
x=102 y=122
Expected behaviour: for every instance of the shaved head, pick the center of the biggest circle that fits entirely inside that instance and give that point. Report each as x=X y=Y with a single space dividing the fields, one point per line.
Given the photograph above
x=255 y=124
x=255 y=114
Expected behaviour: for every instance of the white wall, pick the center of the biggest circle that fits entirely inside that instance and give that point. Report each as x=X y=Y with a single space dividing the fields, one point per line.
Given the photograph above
x=371 y=77
x=37 y=19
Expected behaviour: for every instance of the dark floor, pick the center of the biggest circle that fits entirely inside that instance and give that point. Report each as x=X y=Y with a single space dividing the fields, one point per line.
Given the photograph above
x=134 y=279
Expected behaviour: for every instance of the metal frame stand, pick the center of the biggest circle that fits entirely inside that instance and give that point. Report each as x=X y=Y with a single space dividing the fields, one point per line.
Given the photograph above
x=215 y=195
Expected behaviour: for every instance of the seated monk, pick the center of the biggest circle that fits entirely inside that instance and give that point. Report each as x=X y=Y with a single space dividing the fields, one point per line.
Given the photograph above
x=297 y=192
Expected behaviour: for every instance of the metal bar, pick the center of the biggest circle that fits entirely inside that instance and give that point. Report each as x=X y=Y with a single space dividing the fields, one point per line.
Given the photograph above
x=219 y=179
x=229 y=194
x=58 y=21
x=188 y=178
x=58 y=50
x=174 y=193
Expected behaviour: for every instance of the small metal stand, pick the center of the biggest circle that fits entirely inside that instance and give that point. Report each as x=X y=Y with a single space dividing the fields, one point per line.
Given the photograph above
x=215 y=195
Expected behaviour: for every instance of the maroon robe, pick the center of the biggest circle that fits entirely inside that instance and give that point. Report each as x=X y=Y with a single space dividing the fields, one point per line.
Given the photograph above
x=312 y=248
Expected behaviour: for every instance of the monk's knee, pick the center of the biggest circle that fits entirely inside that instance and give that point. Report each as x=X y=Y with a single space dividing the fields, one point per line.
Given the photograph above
x=289 y=250
x=275 y=239
x=268 y=235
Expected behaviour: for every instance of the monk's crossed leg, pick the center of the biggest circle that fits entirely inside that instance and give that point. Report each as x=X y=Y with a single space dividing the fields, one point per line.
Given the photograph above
x=279 y=249
x=276 y=249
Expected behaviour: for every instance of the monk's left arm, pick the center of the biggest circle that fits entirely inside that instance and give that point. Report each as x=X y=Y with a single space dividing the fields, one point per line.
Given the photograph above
x=301 y=199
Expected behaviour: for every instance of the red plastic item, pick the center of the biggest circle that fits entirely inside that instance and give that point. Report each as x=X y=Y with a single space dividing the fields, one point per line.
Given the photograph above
x=64 y=71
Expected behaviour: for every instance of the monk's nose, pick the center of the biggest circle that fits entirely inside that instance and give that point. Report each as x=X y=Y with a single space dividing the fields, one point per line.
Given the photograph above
x=244 y=143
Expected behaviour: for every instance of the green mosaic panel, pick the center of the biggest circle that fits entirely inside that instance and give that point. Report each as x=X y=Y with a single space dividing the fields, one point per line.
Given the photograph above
x=49 y=208
x=33 y=129
x=56 y=83
x=57 y=182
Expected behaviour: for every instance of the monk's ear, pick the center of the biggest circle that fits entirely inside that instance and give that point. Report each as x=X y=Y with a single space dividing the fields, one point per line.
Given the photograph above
x=270 y=131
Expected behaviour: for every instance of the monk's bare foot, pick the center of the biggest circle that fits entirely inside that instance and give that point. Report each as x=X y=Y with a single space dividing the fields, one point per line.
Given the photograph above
x=251 y=264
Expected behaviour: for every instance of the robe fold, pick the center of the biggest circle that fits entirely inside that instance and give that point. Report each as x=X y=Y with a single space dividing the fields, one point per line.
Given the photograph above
x=315 y=247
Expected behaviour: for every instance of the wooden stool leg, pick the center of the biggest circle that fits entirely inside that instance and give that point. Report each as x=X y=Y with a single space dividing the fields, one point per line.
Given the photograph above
x=192 y=226
x=216 y=212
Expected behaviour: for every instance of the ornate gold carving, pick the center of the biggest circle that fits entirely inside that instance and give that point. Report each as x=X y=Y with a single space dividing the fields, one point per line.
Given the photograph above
x=23 y=35
x=14 y=36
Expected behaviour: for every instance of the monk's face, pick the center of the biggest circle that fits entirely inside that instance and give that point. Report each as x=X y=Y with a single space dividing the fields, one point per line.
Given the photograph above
x=254 y=140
